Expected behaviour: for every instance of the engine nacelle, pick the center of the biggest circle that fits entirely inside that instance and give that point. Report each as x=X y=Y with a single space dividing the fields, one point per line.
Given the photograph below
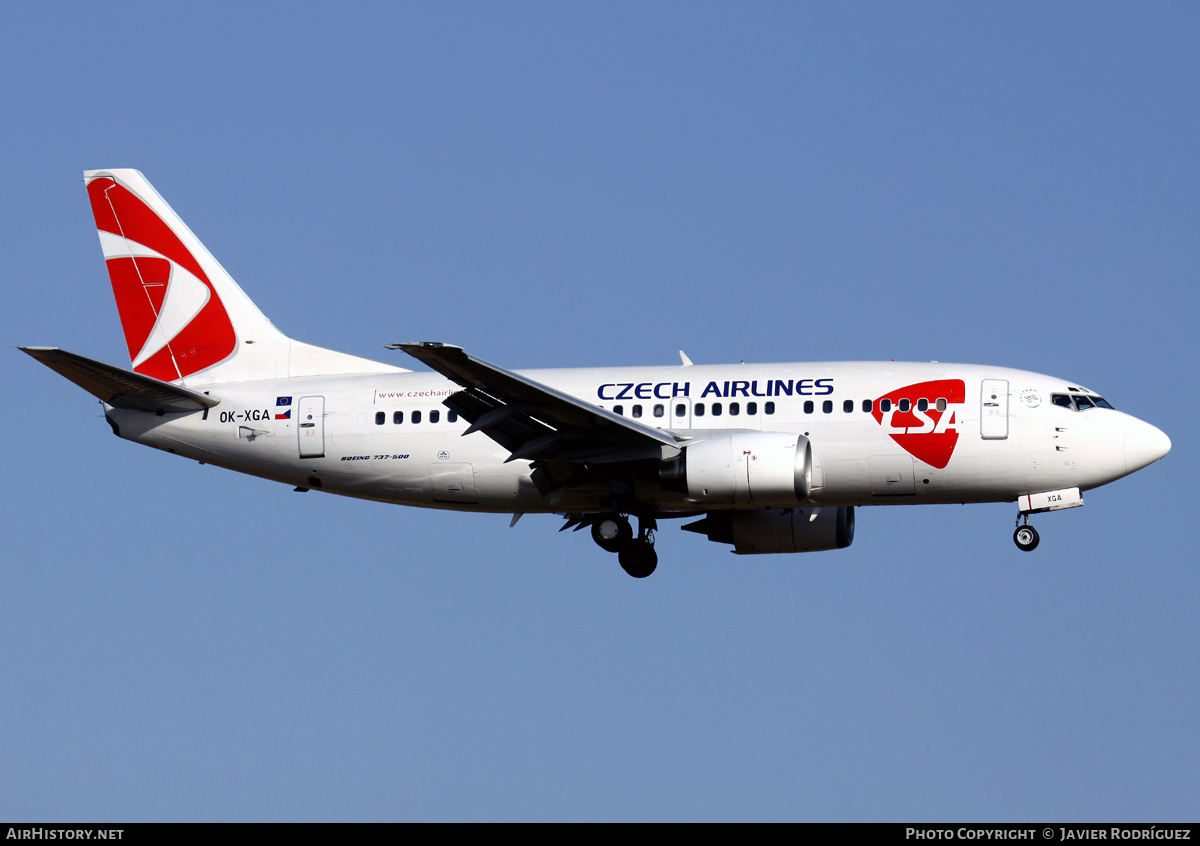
x=786 y=530
x=743 y=468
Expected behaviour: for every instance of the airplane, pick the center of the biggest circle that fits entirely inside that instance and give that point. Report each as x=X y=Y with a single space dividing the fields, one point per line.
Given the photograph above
x=770 y=458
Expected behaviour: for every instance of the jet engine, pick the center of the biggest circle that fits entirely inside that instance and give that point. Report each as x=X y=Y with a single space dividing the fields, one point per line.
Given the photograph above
x=775 y=530
x=743 y=468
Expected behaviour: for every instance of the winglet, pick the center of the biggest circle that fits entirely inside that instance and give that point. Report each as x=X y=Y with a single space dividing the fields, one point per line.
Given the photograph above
x=687 y=362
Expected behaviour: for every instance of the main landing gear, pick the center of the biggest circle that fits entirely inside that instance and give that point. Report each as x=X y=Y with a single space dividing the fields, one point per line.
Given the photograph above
x=612 y=533
x=1025 y=537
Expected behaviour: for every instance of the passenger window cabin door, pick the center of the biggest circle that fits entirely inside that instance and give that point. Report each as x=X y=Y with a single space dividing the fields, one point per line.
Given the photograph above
x=993 y=410
x=679 y=412
x=310 y=427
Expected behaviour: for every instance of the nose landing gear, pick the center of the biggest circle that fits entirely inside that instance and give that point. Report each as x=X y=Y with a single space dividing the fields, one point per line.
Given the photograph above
x=612 y=533
x=1025 y=537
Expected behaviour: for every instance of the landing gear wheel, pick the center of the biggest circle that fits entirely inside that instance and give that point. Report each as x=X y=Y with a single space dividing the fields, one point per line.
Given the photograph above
x=638 y=558
x=612 y=533
x=1026 y=538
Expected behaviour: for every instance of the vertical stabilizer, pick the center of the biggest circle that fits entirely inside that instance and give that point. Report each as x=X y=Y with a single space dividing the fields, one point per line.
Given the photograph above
x=184 y=317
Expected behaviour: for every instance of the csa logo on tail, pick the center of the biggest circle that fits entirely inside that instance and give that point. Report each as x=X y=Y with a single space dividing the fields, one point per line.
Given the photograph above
x=174 y=322
x=929 y=434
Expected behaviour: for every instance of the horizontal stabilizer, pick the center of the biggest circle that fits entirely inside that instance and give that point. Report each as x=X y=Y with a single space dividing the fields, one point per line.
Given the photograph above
x=121 y=388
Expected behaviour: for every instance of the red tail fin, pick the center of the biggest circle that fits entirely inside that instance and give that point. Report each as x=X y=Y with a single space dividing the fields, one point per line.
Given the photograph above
x=174 y=320
x=182 y=312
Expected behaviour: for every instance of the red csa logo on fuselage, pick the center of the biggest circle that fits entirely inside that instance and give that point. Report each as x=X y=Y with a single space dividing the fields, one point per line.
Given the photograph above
x=929 y=434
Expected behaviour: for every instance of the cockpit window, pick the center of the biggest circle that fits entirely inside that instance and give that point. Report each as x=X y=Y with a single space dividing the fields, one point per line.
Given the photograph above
x=1079 y=402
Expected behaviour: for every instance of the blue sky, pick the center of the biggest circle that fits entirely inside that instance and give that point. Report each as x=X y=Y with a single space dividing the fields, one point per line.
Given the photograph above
x=565 y=185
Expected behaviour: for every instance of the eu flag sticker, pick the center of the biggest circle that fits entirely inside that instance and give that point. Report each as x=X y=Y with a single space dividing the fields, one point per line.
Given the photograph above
x=283 y=400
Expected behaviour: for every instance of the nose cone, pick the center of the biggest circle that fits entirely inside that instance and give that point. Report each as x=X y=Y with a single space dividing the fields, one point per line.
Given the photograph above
x=1144 y=444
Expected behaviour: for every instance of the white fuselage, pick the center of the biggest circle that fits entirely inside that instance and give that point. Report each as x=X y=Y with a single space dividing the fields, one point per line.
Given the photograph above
x=771 y=457
x=948 y=433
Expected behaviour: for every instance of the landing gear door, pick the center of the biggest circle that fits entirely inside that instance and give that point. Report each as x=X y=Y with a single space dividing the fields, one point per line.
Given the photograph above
x=993 y=410
x=310 y=427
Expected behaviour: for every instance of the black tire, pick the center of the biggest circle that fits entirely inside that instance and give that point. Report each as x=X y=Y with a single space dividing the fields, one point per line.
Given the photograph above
x=612 y=532
x=638 y=559
x=1026 y=538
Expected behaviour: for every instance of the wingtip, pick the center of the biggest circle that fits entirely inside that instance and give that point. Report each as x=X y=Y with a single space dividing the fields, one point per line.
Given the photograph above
x=409 y=346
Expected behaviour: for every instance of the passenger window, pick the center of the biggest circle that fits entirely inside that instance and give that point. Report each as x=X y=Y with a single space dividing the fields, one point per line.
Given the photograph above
x=637 y=411
x=434 y=416
x=659 y=411
x=619 y=409
x=867 y=406
x=379 y=418
x=452 y=417
x=941 y=404
x=769 y=408
x=397 y=417
x=808 y=407
x=716 y=409
x=905 y=405
x=416 y=417
x=885 y=405
x=752 y=408
x=827 y=406
x=681 y=409
x=848 y=406
x=922 y=405
x=735 y=408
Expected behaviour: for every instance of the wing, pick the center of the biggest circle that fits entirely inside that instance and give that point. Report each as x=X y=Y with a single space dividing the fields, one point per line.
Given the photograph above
x=534 y=421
